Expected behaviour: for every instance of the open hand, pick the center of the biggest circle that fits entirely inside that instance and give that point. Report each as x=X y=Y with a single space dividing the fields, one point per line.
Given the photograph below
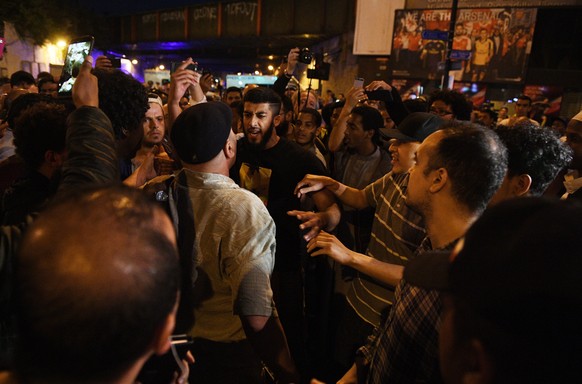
x=327 y=244
x=312 y=183
x=311 y=221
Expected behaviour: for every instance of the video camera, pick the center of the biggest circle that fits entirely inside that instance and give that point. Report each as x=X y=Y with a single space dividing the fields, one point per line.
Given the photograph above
x=305 y=56
x=321 y=70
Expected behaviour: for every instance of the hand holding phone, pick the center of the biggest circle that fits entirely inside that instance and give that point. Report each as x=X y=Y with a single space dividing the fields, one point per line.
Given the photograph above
x=379 y=94
x=193 y=66
x=359 y=82
x=162 y=369
x=85 y=90
x=115 y=61
x=354 y=96
x=77 y=51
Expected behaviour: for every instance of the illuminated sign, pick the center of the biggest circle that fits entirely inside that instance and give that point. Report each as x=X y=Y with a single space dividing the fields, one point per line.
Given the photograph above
x=241 y=80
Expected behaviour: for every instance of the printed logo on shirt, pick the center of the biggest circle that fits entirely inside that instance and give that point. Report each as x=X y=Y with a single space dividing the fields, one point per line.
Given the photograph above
x=256 y=180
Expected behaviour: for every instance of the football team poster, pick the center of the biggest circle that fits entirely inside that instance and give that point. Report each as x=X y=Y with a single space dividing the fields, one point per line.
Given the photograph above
x=489 y=45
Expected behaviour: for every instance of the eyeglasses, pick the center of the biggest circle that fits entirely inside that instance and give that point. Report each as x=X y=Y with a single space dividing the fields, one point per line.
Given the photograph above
x=440 y=112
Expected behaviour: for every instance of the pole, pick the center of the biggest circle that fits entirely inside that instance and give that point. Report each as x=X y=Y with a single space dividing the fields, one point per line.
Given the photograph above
x=445 y=82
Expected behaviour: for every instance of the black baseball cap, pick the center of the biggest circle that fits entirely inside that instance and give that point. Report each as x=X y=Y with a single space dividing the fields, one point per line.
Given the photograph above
x=415 y=127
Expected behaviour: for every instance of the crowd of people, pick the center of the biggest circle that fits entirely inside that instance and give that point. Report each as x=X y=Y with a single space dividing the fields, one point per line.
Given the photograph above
x=293 y=238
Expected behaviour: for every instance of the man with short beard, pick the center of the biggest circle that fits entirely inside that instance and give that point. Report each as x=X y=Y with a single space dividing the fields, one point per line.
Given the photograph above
x=271 y=166
x=154 y=138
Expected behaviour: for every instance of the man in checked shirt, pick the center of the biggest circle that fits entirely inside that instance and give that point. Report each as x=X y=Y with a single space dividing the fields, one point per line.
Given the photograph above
x=457 y=171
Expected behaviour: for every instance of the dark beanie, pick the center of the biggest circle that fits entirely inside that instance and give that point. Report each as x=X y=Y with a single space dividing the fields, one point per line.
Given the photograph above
x=200 y=132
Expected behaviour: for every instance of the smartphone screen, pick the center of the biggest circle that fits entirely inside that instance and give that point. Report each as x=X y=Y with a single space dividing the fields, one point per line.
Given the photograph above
x=76 y=53
x=358 y=82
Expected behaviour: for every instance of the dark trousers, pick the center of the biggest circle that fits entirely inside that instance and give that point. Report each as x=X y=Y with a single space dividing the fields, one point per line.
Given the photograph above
x=352 y=333
x=225 y=363
x=303 y=299
x=288 y=295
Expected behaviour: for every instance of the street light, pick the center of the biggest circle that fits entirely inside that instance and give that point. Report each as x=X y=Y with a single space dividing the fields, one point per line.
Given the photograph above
x=61 y=48
x=162 y=67
x=134 y=61
x=270 y=68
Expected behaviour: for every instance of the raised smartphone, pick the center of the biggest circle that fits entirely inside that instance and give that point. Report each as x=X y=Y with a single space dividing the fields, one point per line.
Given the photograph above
x=78 y=49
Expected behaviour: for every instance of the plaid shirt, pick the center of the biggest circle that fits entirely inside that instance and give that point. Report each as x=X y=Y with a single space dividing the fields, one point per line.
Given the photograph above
x=405 y=348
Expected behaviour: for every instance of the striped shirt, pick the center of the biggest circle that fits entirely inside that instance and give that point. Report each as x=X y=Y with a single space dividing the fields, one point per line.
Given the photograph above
x=397 y=232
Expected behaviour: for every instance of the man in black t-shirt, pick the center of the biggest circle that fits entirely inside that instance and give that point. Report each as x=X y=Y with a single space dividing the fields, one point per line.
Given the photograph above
x=271 y=166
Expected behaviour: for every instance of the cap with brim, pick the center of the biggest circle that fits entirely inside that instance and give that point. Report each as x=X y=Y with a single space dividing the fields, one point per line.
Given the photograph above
x=515 y=287
x=155 y=99
x=415 y=127
x=489 y=236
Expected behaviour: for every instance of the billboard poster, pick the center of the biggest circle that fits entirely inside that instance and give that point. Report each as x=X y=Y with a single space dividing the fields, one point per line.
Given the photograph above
x=545 y=99
x=489 y=44
x=417 y=48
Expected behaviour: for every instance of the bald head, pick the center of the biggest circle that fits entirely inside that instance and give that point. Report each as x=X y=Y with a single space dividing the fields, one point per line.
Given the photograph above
x=97 y=276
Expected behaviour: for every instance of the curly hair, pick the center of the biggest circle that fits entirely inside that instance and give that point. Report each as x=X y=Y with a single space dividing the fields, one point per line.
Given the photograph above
x=535 y=151
x=461 y=107
x=41 y=127
x=123 y=99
